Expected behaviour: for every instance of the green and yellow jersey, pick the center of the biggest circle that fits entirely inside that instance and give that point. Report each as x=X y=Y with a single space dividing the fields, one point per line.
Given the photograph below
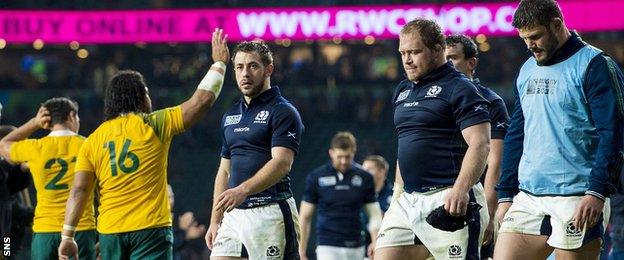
x=51 y=160
x=128 y=156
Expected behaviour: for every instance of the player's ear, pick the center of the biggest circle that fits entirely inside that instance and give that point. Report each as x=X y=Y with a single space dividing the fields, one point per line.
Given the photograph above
x=269 y=69
x=473 y=62
x=556 y=23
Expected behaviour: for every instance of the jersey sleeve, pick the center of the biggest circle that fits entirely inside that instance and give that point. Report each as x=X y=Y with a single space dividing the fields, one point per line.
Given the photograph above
x=604 y=88
x=225 y=148
x=369 y=192
x=310 y=193
x=469 y=107
x=500 y=119
x=24 y=150
x=287 y=128
x=84 y=162
x=166 y=122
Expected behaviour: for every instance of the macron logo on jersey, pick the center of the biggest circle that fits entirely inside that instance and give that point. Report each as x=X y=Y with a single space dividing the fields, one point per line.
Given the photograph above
x=232 y=120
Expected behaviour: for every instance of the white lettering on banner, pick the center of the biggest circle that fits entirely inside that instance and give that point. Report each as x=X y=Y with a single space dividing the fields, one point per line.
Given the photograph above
x=252 y=24
x=345 y=23
x=456 y=20
x=504 y=16
x=284 y=24
x=370 y=22
x=314 y=23
x=480 y=16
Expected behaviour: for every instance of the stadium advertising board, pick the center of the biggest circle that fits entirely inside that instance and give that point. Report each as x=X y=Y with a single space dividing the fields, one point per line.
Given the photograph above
x=357 y=22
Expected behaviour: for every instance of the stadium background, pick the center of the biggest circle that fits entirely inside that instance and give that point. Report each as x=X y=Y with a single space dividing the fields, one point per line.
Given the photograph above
x=337 y=84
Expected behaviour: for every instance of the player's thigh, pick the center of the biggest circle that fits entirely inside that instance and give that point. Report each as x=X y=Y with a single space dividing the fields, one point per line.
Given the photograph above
x=155 y=243
x=112 y=247
x=409 y=252
x=227 y=244
x=521 y=246
x=270 y=231
x=86 y=244
x=587 y=252
x=45 y=246
x=564 y=234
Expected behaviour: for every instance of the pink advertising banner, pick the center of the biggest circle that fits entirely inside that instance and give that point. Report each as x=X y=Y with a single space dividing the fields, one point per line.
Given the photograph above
x=356 y=22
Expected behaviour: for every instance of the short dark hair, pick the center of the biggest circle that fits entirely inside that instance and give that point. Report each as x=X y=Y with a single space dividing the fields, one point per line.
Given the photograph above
x=343 y=141
x=125 y=93
x=470 y=47
x=5 y=130
x=259 y=47
x=60 y=108
x=532 y=13
x=379 y=161
x=429 y=31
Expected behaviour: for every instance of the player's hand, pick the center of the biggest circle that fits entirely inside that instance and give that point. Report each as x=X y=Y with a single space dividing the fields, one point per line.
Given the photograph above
x=588 y=212
x=195 y=231
x=371 y=251
x=186 y=220
x=456 y=202
x=211 y=235
x=68 y=248
x=230 y=199
x=220 y=51
x=489 y=233
x=43 y=118
x=502 y=209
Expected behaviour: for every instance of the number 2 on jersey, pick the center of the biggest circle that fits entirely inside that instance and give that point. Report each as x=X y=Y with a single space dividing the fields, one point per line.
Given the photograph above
x=53 y=184
x=120 y=162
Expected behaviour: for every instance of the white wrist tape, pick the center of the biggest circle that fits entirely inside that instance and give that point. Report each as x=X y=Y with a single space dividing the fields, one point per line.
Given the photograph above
x=396 y=191
x=64 y=237
x=213 y=81
x=69 y=227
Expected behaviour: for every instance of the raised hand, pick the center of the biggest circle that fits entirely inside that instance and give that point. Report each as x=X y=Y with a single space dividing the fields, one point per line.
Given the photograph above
x=220 y=51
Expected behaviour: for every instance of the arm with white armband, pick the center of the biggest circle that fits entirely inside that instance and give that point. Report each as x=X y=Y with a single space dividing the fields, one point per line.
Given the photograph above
x=373 y=211
x=210 y=86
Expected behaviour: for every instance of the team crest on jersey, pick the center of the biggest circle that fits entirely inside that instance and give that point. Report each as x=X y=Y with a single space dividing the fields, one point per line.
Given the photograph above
x=433 y=91
x=261 y=117
x=455 y=251
x=232 y=120
x=356 y=181
x=402 y=96
x=273 y=252
x=327 y=181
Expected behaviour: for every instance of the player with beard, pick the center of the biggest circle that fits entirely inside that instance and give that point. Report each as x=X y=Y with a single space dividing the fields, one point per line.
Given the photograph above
x=443 y=129
x=563 y=150
x=126 y=159
x=254 y=215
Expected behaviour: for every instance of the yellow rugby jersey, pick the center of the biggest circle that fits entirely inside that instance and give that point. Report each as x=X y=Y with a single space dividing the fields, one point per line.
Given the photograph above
x=51 y=160
x=128 y=155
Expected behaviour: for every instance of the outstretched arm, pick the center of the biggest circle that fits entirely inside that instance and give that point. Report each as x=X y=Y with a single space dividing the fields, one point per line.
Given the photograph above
x=209 y=88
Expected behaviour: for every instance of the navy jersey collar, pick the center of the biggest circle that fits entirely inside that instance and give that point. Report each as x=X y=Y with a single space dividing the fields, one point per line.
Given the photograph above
x=436 y=74
x=265 y=96
x=569 y=48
